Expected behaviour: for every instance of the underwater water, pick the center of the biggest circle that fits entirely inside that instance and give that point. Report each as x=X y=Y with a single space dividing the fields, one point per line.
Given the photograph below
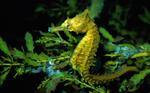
x=75 y=46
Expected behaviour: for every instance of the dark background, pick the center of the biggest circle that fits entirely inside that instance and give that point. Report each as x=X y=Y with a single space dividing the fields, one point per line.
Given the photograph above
x=18 y=17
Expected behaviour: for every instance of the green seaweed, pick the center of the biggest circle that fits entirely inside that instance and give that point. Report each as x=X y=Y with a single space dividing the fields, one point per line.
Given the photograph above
x=50 y=53
x=29 y=42
x=4 y=47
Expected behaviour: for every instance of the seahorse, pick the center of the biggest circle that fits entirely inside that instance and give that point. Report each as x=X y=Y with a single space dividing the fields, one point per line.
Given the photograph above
x=83 y=55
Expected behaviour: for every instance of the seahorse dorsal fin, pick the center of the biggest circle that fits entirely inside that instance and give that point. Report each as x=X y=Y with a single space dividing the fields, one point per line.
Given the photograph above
x=84 y=14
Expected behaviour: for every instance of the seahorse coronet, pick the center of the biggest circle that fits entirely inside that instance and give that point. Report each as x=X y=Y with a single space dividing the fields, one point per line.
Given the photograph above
x=83 y=56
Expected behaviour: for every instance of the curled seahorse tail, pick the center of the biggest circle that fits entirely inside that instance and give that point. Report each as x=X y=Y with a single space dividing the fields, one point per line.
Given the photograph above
x=99 y=79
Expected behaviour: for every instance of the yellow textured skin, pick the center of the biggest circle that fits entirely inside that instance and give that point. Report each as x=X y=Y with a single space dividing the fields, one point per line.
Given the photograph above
x=83 y=56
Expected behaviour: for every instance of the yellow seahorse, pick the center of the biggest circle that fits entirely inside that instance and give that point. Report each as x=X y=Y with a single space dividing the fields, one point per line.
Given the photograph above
x=83 y=56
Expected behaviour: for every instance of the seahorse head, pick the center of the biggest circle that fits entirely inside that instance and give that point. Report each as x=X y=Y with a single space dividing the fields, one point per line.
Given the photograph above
x=79 y=23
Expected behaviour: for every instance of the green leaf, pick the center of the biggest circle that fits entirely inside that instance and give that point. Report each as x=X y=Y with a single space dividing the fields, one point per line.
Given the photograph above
x=50 y=84
x=29 y=42
x=40 y=8
x=135 y=80
x=96 y=8
x=118 y=38
x=19 y=71
x=147 y=14
x=106 y=34
x=4 y=75
x=71 y=37
x=32 y=59
x=72 y=5
x=4 y=47
x=38 y=58
x=145 y=47
x=143 y=54
x=145 y=17
x=113 y=55
x=123 y=86
x=33 y=56
x=31 y=62
x=110 y=46
x=127 y=45
x=43 y=57
x=142 y=18
x=18 y=54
